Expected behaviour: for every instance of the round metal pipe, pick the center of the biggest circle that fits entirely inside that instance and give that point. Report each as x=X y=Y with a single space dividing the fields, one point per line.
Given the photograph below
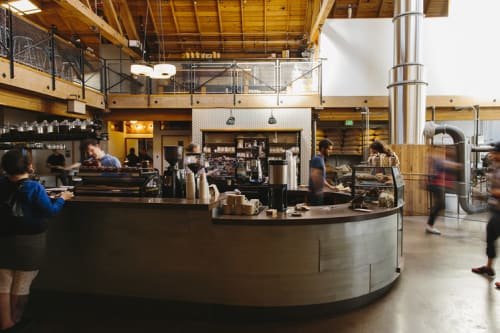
x=407 y=87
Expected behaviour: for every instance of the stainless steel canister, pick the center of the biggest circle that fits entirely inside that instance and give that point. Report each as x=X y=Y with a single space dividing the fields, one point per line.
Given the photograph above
x=278 y=172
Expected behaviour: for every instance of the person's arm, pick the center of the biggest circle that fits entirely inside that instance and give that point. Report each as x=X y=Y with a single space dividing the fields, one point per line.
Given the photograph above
x=48 y=206
x=73 y=166
x=330 y=186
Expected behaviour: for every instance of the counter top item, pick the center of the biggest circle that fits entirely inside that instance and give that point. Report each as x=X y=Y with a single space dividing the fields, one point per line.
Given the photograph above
x=316 y=215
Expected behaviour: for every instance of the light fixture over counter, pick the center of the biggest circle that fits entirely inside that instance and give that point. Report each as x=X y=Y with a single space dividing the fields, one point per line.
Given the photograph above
x=157 y=71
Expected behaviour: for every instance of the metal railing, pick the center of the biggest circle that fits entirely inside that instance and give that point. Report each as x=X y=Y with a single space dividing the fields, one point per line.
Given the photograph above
x=24 y=43
x=255 y=76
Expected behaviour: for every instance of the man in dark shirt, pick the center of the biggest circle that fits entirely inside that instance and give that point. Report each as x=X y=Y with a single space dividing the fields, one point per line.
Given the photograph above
x=57 y=165
x=132 y=158
x=317 y=174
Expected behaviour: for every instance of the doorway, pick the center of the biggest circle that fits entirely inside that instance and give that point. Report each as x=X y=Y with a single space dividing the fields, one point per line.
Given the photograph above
x=140 y=145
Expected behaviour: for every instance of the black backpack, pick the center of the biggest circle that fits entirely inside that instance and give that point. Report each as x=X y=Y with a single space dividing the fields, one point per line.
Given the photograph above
x=11 y=210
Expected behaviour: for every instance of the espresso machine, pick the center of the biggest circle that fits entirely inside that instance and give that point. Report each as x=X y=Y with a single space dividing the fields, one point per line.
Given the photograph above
x=278 y=185
x=173 y=180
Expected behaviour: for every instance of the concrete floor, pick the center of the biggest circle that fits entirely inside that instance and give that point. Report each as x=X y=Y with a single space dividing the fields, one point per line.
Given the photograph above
x=436 y=293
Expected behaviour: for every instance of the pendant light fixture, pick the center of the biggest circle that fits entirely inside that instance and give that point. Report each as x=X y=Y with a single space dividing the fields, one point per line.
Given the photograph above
x=231 y=120
x=158 y=71
x=162 y=70
x=141 y=68
x=272 y=120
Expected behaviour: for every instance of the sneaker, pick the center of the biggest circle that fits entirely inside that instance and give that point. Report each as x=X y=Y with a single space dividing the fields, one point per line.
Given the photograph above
x=485 y=271
x=432 y=230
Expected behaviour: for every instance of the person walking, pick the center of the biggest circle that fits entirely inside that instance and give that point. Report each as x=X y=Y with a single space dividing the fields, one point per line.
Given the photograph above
x=442 y=180
x=493 y=226
x=23 y=226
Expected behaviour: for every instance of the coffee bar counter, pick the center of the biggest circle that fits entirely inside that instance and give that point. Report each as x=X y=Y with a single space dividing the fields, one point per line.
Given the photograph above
x=184 y=250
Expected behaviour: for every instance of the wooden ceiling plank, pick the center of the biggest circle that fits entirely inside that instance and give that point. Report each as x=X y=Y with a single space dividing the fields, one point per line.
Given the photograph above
x=127 y=20
x=90 y=18
x=111 y=16
x=325 y=9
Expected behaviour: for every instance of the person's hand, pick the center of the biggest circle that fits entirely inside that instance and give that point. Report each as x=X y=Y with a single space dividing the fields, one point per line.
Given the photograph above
x=67 y=195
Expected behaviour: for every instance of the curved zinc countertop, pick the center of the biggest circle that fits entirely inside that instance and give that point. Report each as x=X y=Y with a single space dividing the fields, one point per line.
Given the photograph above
x=150 y=202
x=316 y=215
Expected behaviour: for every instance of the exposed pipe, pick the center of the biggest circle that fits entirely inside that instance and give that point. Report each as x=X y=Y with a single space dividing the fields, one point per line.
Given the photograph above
x=407 y=88
x=462 y=156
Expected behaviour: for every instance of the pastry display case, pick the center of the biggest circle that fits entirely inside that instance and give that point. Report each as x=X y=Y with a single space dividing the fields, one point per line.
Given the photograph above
x=381 y=185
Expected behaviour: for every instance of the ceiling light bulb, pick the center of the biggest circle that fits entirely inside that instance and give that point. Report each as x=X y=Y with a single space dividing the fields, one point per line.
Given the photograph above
x=163 y=71
x=141 y=69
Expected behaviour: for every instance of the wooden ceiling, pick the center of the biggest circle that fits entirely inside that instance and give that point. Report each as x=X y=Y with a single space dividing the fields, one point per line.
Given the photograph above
x=231 y=28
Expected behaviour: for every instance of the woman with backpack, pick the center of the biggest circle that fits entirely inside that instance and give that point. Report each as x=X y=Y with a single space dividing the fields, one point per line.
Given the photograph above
x=25 y=206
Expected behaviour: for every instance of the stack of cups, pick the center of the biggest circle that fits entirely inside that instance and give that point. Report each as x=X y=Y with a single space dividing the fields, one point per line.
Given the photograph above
x=190 y=186
x=204 y=193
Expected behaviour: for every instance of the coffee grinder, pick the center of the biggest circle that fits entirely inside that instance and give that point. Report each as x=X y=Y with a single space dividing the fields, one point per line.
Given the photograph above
x=278 y=185
x=172 y=177
x=255 y=166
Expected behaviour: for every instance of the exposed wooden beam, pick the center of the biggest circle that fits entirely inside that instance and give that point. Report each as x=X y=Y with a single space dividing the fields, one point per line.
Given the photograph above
x=152 y=17
x=112 y=17
x=355 y=14
x=381 y=8
x=265 y=18
x=325 y=9
x=174 y=18
x=221 y=30
x=87 y=16
x=426 y=5
x=197 y=19
x=242 y=14
x=128 y=20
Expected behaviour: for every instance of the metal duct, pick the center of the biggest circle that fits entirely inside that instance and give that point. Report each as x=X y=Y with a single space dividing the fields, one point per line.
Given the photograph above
x=407 y=88
x=462 y=156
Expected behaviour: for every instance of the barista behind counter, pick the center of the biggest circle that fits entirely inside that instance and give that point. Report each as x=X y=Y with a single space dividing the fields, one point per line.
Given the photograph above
x=97 y=156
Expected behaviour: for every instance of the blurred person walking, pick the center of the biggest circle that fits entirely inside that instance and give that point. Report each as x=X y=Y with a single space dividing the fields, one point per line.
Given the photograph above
x=442 y=180
x=493 y=227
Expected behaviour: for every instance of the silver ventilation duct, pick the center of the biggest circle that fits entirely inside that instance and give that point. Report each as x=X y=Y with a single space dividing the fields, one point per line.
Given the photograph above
x=407 y=88
x=463 y=150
